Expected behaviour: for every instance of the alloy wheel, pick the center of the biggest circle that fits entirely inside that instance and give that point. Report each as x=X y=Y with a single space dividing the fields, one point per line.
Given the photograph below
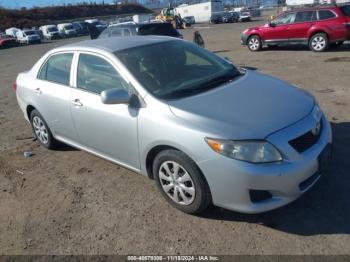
x=318 y=43
x=40 y=130
x=177 y=183
x=254 y=43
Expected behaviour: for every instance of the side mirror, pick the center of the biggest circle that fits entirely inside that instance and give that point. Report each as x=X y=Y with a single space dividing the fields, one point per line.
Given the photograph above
x=115 y=96
x=272 y=24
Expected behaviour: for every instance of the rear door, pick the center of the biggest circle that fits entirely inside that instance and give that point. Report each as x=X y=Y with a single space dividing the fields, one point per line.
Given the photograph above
x=298 y=31
x=278 y=33
x=51 y=94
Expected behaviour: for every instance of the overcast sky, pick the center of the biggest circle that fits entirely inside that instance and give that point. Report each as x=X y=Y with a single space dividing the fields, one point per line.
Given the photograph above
x=31 y=3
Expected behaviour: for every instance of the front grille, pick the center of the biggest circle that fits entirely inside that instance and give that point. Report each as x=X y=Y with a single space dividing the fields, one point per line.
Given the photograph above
x=308 y=182
x=305 y=141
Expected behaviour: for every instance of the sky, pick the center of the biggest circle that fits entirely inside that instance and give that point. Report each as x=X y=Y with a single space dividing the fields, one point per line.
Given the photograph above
x=15 y=4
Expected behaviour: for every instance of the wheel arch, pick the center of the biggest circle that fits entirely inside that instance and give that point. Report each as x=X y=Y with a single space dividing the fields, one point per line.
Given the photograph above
x=29 y=110
x=317 y=31
x=152 y=153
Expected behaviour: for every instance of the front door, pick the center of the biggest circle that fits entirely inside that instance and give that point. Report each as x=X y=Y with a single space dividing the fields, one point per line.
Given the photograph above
x=110 y=130
x=278 y=32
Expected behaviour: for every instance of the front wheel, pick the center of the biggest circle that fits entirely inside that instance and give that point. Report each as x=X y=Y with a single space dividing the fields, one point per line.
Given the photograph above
x=318 y=42
x=181 y=182
x=254 y=43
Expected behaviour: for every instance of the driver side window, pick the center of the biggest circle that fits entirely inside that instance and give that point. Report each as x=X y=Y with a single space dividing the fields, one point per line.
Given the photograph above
x=96 y=75
x=285 y=19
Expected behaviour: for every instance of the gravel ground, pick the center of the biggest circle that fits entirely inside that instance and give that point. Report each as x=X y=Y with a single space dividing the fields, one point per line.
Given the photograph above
x=70 y=202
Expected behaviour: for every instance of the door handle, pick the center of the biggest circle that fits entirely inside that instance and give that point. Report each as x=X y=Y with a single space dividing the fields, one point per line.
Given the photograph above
x=37 y=91
x=77 y=102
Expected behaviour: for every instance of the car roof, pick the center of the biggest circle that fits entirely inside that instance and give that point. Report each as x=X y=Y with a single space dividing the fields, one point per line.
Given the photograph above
x=113 y=44
x=313 y=8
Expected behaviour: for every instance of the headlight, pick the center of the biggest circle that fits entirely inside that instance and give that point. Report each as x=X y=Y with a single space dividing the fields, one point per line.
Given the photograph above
x=250 y=150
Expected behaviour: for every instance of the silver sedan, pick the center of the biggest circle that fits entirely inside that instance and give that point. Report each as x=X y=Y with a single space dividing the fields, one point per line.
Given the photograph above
x=206 y=131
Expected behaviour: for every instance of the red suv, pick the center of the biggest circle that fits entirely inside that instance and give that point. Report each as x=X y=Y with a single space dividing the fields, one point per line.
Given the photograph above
x=317 y=27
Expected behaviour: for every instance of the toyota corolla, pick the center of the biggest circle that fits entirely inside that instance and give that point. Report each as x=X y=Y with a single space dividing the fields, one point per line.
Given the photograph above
x=205 y=130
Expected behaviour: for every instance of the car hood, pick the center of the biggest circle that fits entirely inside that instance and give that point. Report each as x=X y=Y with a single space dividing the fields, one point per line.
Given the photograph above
x=251 y=107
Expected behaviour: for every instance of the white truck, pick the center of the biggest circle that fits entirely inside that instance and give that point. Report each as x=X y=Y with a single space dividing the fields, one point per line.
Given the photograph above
x=49 y=32
x=201 y=12
x=66 y=30
x=28 y=37
x=12 y=31
x=141 y=18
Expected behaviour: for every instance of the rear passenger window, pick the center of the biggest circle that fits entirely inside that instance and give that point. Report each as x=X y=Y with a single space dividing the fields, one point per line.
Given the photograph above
x=96 y=75
x=305 y=16
x=325 y=14
x=57 y=69
x=126 y=32
x=116 y=31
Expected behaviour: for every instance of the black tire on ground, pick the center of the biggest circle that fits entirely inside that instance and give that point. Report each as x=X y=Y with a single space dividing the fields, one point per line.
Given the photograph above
x=254 y=43
x=202 y=197
x=319 y=42
x=36 y=119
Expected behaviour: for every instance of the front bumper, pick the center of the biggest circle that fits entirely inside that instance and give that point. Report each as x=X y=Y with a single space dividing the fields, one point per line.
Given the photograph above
x=231 y=182
x=244 y=39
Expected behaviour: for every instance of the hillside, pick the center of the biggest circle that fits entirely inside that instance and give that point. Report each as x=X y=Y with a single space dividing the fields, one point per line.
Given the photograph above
x=39 y=16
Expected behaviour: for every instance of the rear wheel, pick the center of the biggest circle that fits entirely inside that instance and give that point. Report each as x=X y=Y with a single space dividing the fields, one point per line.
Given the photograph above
x=181 y=182
x=318 y=42
x=41 y=130
x=254 y=43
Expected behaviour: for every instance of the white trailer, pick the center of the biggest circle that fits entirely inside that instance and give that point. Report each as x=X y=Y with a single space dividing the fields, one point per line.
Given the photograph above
x=202 y=11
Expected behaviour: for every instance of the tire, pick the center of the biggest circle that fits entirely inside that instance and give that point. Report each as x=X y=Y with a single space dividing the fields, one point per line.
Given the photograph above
x=254 y=43
x=186 y=189
x=41 y=131
x=319 y=42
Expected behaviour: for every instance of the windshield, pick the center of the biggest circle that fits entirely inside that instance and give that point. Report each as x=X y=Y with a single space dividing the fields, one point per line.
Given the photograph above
x=69 y=27
x=176 y=69
x=346 y=10
x=30 y=33
x=165 y=29
x=52 y=29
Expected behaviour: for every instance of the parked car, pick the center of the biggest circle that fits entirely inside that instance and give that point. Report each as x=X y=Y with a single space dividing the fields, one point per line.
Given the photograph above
x=81 y=27
x=66 y=30
x=50 y=32
x=28 y=37
x=216 y=18
x=131 y=28
x=37 y=31
x=7 y=41
x=245 y=16
x=203 y=129
x=317 y=27
x=97 y=23
x=234 y=16
x=189 y=19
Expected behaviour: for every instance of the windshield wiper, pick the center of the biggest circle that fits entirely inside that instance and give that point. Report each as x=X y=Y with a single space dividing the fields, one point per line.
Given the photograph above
x=207 y=85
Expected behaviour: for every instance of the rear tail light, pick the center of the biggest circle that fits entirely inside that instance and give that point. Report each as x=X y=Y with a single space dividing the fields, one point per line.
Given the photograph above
x=14 y=86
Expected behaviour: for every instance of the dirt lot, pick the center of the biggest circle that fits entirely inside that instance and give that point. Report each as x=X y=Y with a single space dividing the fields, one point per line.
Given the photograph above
x=70 y=202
